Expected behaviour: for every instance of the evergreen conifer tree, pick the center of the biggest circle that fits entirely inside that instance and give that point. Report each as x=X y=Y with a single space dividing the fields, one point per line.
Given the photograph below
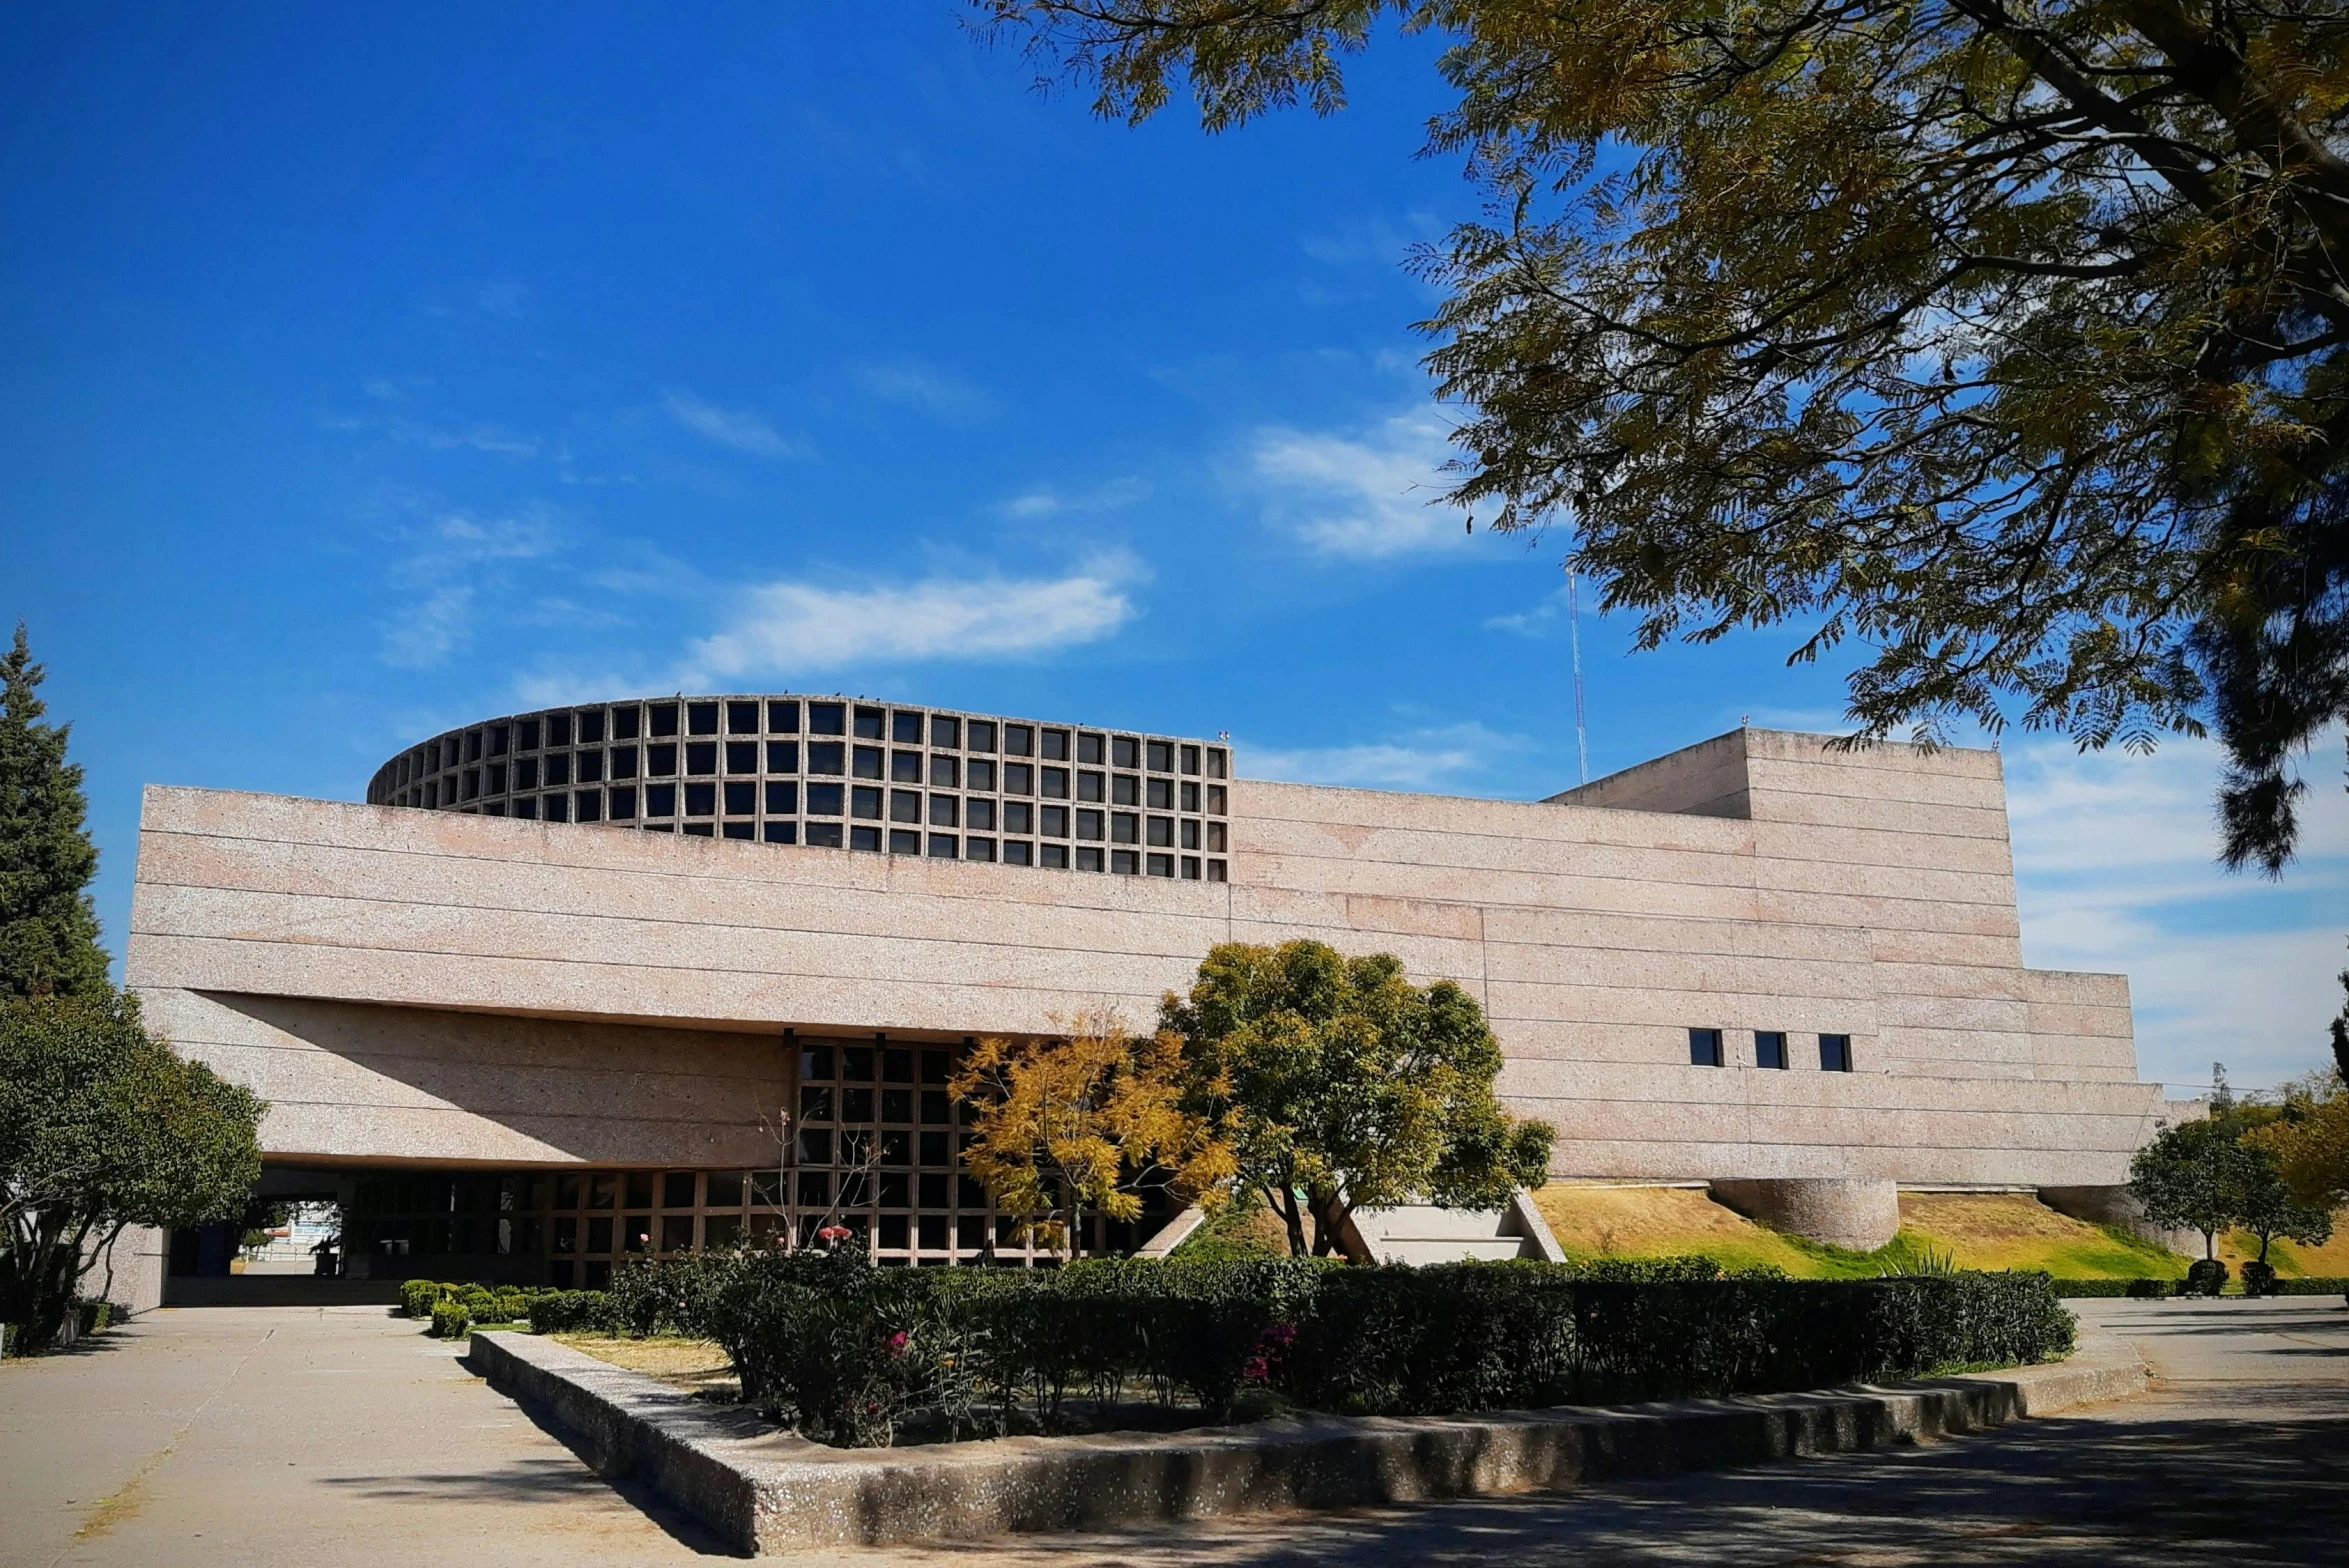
x=48 y=928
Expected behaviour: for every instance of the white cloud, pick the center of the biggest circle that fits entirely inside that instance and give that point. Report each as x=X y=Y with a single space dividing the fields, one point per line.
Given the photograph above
x=1046 y=501
x=783 y=628
x=1426 y=759
x=940 y=394
x=740 y=429
x=448 y=564
x=1364 y=497
x=2115 y=859
x=480 y=436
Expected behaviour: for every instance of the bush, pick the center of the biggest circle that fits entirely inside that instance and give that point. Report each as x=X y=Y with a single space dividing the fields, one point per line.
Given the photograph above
x=450 y=1320
x=2259 y=1279
x=419 y=1296
x=846 y=1351
x=2311 y=1286
x=2149 y=1289
x=2204 y=1277
x=571 y=1311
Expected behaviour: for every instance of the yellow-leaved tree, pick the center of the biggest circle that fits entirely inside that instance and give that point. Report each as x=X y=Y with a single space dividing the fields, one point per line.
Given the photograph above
x=1086 y=1123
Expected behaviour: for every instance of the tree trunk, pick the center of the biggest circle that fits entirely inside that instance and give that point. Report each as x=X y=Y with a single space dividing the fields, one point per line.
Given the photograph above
x=1285 y=1204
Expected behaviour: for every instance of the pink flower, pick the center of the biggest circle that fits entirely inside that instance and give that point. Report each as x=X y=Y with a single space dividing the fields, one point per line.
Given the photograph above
x=834 y=1233
x=897 y=1343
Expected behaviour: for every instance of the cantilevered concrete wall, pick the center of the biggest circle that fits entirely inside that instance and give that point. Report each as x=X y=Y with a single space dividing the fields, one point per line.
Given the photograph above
x=441 y=987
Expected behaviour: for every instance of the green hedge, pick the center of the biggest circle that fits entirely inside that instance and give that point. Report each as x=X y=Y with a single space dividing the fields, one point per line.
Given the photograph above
x=845 y=1350
x=2313 y=1285
x=547 y=1311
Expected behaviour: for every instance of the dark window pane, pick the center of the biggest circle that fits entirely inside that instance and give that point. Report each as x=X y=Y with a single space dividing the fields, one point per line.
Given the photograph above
x=944 y=810
x=1769 y=1048
x=742 y=797
x=742 y=756
x=815 y=1189
x=626 y=723
x=1125 y=862
x=528 y=730
x=1835 y=1053
x=825 y=835
x=904 y=841
x=1125 y=752
x=783 y=719
x=701 y=800
x=558 y=729
x=1019 y=740
x=1704 y=1047
x=783 y=756
x=897 y=1105
x=827 y=718
x=823 y=800
x=905 y=767
x=815 y=1061
x=701 y=718
x=677 y=1190
x=591 y=767
x=782 y=797
x=701 y=757
x=1089 y=747
x=868 y=839
x=815 y=1103
x=1160 y=865
x=905 y=728
x=856 y=1105
x=856 y=1063
x=725 y=1189
x=780 y=832
x=591 y=727
x=905 y=805
x=623 y=804
x=982 y=735
x=588 y=806
x=664 y=718
x=742 y=718
x=623 y=762
x=869 y=723
x=660 y=761
x=1088 y=786
x=935 y=1108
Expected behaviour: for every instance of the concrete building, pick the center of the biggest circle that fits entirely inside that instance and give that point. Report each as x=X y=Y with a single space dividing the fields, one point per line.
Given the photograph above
x=531 y=1048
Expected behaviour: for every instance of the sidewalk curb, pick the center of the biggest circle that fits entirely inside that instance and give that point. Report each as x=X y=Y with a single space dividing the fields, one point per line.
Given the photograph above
x=768 y=1493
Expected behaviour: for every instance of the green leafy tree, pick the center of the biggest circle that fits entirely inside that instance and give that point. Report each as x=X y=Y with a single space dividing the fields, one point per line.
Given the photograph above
x=48 y=929
x=2267 y=1209
x=2003 y=338
x=2196 y=1176
x=103 y=1127
x=1340 y=1085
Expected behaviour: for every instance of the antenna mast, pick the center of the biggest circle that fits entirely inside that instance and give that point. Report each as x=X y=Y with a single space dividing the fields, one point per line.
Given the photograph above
x=1574 y=641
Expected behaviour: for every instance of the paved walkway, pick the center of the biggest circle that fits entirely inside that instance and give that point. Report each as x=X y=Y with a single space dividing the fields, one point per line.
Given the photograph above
x=289 y=1436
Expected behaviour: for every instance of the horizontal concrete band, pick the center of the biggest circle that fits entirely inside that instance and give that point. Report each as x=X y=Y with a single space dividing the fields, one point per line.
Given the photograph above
x=770 y=1493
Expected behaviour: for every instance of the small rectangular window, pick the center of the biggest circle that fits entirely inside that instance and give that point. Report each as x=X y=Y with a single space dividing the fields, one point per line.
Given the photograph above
x=1190 y=868
x=1217 y=837
x=1054 y=744
x=782 y=756
x=823 y=800
x=1835 y=1053
x=591 y=727
x=978 y=849
x=867 y=840
x=742 y=756
x=905 y=728
x=870 y=722
x=497 y=778
x=1190 y=796
x=1190 y=759
x=526 y=773
x=499 y=737
x=472 y=783
x=701 y=757
x=1125 y=752
x=558 y=768
x=823 y=835
x=701 y=800
x=865 y=801
x=1019 y=779
x=905 y=767
x=558 y=729
x=526 y=808
x=780 y=832
x=743 y=830
x=827 y=718
x=945 y=846
x=623 y=762
x=1161 y=756
x=864 y=762
x=591 y=767
x=945 y=810
x=1161 y=830
x=1089 y=824
x=473 y=746
x=945 y=772
x=558 y=808
x=660 y=760
x=1215 y=801
x=742 y=797
x=528 y=742
x=1053 y=820
x=1019 y=740
x=905 y=841
x=1017 y=816
x=1217 y=766
x=626 y=722
x=905 y=805
x=783 y=718
x=1125 y=862
x=623 y=804
x=664 y=719
x=982 y=773
x=1704 y=1047
x=1125 y=790
x=1090 y=748
x=742 y=718
x=1159 y=865
x=1161 y=795
x=1125 y=828
x=1088 y=858
x=1770 y=1048
x=1018 y=852
x=782 y=798
x=982 y=736
x=588 y=806
x=701 y=718
x=827 y=756
x=945 y=732
x=1053 y=857
x=981 y=815
x=1053 y=783
x=1090 y=785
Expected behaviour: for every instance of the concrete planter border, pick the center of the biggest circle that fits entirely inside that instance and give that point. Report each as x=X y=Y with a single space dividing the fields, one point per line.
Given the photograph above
x=767 y=1492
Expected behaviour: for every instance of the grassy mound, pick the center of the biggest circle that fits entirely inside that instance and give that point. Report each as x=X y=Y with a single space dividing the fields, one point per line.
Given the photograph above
x=1664 y=1222
x=2013 y=1230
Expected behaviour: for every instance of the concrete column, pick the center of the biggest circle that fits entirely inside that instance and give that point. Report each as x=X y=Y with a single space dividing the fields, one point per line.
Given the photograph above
x=2114 y=1206
x=1858 y=1212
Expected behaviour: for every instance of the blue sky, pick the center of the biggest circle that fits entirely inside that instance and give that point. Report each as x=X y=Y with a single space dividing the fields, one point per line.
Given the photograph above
x=363 y=371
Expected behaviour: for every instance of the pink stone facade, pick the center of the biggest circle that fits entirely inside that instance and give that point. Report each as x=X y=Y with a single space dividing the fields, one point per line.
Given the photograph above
x=460 y=990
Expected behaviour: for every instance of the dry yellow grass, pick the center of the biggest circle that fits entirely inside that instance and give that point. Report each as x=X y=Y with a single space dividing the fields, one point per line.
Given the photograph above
x=2291 y=1259
x=2014 y=1230
x=1660 y=1222
x=691 y=1364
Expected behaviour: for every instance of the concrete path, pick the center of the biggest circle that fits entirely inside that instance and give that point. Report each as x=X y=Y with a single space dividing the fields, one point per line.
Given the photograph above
x=293 y=1436
x=284 y=1436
